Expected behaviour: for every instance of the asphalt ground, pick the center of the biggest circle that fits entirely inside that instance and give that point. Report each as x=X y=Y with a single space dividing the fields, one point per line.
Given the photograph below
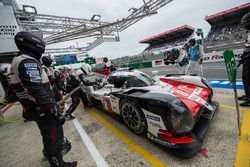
x=21 y=144
x=210 y=70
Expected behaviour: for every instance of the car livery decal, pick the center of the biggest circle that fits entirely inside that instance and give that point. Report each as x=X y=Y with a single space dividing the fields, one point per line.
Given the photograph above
x=161 y=141
x=192 y=96
x=153 y=117
x=154 y=122
x=115 y=104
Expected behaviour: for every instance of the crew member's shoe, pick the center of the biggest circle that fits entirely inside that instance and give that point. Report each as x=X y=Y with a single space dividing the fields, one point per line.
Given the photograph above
x=69 y=164
x=66 y=147
x=242 y=98
x=69 y=116
x=245 y=104
x=66 y=164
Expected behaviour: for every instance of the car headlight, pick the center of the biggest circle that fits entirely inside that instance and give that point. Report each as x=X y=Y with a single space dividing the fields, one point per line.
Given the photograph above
x=181 y=118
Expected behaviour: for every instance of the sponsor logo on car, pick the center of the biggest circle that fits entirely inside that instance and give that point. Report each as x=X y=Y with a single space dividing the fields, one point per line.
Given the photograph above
x=155 y=125
x=153 y=117
x=161 y=141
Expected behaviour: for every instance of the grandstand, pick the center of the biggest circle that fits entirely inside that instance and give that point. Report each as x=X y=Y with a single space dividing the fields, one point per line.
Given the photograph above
x=159 y=45
x=169 y=39
x=226 y=30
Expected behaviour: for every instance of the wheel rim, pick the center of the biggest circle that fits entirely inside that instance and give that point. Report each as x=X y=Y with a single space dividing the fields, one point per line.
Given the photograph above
x=131 y=116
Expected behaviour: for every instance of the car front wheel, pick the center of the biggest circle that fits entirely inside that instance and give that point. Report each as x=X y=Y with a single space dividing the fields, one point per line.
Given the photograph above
x=133 y=117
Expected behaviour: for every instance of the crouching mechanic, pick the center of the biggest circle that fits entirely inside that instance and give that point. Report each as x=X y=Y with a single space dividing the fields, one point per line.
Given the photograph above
x=87 y=86
x=72 y=83
x=35 y=95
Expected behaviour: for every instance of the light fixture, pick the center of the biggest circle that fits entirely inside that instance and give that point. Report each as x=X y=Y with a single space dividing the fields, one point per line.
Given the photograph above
x=133 y=10
x=29 y=9
x=96 y=17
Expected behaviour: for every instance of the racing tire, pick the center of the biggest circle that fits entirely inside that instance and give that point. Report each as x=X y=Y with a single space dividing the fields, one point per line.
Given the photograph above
x=133 y=117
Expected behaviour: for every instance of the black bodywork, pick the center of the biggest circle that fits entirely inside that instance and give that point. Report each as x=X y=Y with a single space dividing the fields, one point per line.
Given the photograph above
x=160 y=104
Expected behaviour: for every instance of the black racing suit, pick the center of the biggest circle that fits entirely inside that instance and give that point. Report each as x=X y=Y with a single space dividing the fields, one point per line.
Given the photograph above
x=72 y=83
x=245 y=60
x=34 y=92
x=58 y=86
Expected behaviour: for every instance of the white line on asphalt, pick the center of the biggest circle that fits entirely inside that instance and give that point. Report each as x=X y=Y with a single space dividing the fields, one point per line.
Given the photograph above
x=225 y=82
x=100 y=162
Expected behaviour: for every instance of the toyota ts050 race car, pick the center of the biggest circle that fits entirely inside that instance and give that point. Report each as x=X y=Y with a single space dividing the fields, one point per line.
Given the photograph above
x=174 y=111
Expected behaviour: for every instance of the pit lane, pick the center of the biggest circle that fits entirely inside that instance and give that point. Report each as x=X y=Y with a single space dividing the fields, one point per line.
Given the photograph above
x=21 y=142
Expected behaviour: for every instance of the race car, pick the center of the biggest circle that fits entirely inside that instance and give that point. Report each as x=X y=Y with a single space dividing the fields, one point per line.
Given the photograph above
x=174 y=111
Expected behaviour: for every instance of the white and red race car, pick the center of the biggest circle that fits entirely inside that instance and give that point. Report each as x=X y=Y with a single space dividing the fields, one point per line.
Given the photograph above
x=174 y=111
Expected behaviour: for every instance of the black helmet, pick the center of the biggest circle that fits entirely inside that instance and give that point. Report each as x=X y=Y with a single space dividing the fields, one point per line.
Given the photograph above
x=105 y=59
x=47 y=61
x=30 y=43
x=245 y=21
x=192 y=42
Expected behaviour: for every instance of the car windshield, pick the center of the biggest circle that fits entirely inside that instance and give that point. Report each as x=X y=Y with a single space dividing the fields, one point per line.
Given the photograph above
x=146 y=79
x=133 y=79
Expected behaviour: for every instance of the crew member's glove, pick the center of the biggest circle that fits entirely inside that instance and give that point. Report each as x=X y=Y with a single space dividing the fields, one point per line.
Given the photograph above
x=64 y=92
x=56 y=113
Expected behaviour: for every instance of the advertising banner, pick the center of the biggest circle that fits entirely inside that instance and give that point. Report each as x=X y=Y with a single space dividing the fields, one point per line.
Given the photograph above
x=218 y=56
x=8 y=29
x=111 y=38
x=158 y=63
x=80 y=57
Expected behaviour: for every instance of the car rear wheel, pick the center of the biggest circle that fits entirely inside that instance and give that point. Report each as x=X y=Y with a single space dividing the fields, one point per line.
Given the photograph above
x=133 y=117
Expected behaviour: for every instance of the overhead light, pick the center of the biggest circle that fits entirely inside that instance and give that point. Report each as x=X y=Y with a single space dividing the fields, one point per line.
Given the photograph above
x=96 y=17
x=29 y=9
x=133 y=10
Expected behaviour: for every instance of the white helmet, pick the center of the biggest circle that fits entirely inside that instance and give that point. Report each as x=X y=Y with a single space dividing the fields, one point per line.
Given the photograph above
x=78 y=72
x=86 y=68
x=5 y=68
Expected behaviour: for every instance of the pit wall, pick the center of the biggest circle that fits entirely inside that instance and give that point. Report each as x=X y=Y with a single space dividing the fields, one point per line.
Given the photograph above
x=211 y=57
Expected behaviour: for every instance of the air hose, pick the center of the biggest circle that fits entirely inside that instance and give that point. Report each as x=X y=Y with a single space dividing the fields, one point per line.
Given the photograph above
x=22 y=119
